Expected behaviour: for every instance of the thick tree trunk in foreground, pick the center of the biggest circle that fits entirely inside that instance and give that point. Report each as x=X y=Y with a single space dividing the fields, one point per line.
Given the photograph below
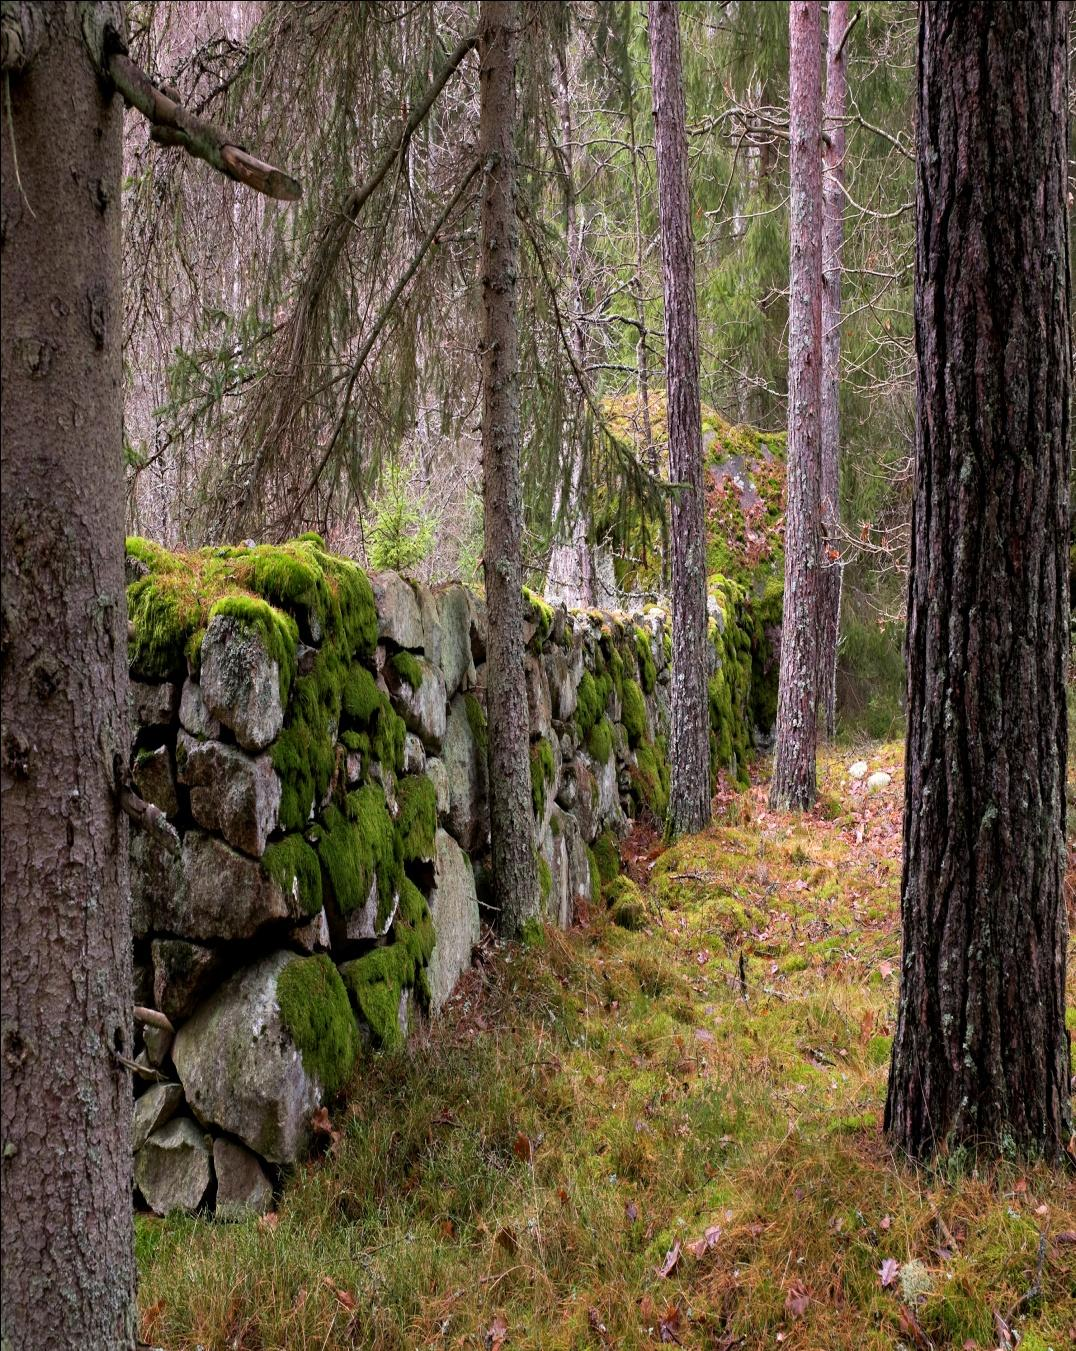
x=980 y=1054
x=515 y=872
x=65 y=948
x=793 y=783
x=832 y=236
x=689 y=797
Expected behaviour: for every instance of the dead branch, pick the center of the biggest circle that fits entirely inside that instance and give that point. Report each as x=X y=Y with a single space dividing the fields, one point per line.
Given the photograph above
x=150 y=818
x=173 y=125
x=151 y=1018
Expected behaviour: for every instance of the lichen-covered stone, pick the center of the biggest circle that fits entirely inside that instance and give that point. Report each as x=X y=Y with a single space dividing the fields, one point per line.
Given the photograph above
x=227 y=895
x=242 y=1186
x=464 y=757
x=422 y=708
x=158 y=883
x=438 y=776
x=194 y=717
x=539 y=703
x=454 y=910
x=158 y=1042
x=173 y=1168
x=183 y=972
x=240 y=682
x=429 y=611
x=240 y=1069
x=233 y=793
x=158 y=1104
x=562 y=674
x=154 y=779
x=454 y=614
x=398 y=616
x=153 y=705
x=313 y=936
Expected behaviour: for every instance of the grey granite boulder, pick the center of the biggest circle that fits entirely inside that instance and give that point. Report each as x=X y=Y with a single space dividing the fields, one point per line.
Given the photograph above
x=438 y=776
x=153 y=705
x=242 y=1187
x=194 y=717
x=158 y=1104
x=398 y=616
x=454 y=613
x=241 y=1070
x=158 y=883
x=173 y=1168
x=182 y=973
x=233 y=793
x=226 y=895
x=154 y=779
x=422 y=709
x=465 y=762
x=454 y=911
x=240 y=682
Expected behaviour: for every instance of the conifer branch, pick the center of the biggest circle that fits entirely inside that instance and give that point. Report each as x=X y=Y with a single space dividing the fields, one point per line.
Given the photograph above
x=173 y=125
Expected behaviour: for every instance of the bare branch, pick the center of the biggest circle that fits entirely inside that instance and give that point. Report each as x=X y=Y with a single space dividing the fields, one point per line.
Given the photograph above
x=173 y=125
x=150 y=818
x=151 y=1018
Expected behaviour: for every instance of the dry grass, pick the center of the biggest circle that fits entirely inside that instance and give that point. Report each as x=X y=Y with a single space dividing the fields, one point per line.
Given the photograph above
x=592 y=1108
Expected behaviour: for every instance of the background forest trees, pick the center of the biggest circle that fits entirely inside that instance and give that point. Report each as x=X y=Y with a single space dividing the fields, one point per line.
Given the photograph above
x=246 y=322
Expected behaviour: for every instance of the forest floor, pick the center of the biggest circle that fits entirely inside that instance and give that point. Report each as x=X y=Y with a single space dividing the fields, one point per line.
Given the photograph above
x=670 y=1135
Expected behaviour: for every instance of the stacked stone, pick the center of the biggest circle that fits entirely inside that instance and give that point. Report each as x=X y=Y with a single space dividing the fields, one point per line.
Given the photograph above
x=265 y=997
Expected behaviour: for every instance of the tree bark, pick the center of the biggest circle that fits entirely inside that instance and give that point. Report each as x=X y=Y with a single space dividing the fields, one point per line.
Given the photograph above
x=793 y=783
x=515 y=872
x=689 y=797
x=65 y=947
x=980 y=1055
x=832 y=237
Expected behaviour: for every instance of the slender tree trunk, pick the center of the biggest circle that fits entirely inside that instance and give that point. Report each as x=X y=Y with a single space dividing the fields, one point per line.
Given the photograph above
x=650 y=449
x=980 y=1055
x=793 y=783
x=832 y=236
x=515 y=872
x=570 y=577
x=65 y=947
x=689 y=797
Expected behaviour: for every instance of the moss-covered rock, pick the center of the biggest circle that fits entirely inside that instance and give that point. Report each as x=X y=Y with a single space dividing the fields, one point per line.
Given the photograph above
x=293 y=865
x=607 y=856
x=416 y=823
x=315 y=1010
x=543 y=774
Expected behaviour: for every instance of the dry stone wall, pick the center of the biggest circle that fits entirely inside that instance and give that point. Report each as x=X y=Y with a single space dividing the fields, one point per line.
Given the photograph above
x=315 y=741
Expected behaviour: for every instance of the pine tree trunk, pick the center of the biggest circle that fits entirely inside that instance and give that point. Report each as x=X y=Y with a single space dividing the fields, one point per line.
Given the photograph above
x=980 y=1055
x=689 y=797
x=65 y=946
x=832 y=236
x=793 y=783
x=515 y=872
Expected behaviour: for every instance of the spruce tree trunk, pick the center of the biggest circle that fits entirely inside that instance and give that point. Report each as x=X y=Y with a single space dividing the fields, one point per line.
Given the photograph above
x=980 y=1055
x=515 y=872
x=832 y=237
x=65 y=946
x=793 y=783
x=689 y=796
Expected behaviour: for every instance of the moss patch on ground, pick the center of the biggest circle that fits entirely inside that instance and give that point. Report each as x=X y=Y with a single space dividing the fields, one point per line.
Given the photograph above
x=594 y=1103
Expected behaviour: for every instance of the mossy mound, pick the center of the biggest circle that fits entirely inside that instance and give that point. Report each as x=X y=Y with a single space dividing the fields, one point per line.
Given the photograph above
x=416 y=823
x=315 y=1009
x=268 y=586
x=376 y=982
x=358 y=846
x=627 y=907
x=294 y=866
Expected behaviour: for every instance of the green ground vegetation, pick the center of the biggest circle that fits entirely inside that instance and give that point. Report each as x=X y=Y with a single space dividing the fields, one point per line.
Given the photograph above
x=622 y=1137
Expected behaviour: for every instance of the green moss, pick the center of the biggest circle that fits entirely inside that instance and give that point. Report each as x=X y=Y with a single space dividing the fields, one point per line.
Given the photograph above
x=416 y=823
x=408 y=668
x=627 y=908
x=634 y=713
x=537 y=612
x=591 y=701
x=543 y=772
x=315 y=1009
x=607 y=856
x=357 y=847
x=648 y=671
x=650 y=779
x=545 y=879
x=600 y=741
x=595 y=876
x=278 y=632
x=293 y=865
x=532 y=934
x=376 y=981
x=476 y=718
x=360 y=698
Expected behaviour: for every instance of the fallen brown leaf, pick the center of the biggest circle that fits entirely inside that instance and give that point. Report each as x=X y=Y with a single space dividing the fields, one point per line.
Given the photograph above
x=672 y=1257
x=497 y=1333
x=796 y=1300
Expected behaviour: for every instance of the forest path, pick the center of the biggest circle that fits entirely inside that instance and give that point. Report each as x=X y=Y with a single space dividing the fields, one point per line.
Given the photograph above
x=672 y=1134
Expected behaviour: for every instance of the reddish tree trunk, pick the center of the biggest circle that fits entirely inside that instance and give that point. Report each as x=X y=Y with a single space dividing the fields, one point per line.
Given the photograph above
x=65 y=948
x=832 y=237
x=793 y=783
x=689 y=797
x=980 y=1055
x=515 y=872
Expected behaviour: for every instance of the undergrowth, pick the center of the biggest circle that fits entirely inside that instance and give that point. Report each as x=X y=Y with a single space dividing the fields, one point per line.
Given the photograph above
x=627 y=1136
